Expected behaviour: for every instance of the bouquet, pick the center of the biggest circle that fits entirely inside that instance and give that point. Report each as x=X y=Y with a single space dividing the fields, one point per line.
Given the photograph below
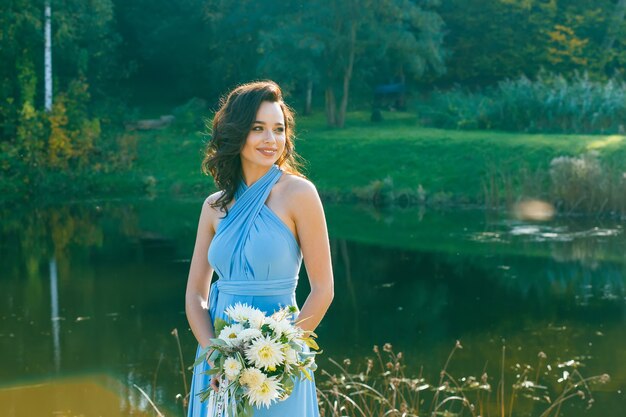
x=257 y=358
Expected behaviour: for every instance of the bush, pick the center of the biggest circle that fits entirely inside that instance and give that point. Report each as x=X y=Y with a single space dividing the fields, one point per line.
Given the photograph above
x=62 y=149
x=551 y=103
x=192 y=114
x=583 y=184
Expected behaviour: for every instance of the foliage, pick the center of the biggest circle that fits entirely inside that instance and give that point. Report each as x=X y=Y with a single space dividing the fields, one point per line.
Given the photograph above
x=168 y=48
x=492 y=40
x=42 y=149
x=368 y=41
x=192 y=114
x=583 y=184
x=65 y=147
x=551 y=103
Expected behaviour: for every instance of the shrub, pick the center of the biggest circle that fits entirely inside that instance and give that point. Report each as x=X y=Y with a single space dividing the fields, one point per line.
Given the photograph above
x=551 y=103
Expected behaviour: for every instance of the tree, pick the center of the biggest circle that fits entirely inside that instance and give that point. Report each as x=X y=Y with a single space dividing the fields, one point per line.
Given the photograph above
x=336 y=41
x=48 y=56
x=36 y=133
x=616 y=21
x=491 y=40
x=167 y=45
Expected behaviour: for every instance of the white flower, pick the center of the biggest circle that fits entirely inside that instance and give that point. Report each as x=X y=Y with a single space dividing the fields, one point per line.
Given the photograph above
x=265 y=352
x=256 y=318
x=280 y=327
x=238 y=311
x=291 y=359
x=269 y=390
x=229 y=334
x=248 y=334
x=232 y=367
x=252 y=377
x=291 y=356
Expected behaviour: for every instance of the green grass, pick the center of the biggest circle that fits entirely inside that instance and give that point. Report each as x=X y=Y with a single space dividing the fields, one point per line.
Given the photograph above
x=457 y=163
x=451 y=166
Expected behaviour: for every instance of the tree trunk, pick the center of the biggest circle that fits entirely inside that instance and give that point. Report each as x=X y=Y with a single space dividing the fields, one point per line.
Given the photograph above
x=48 y=56
x=347 y=76
x=331 y=113
x=402 y=95
x=614 y=25
x=309 y=97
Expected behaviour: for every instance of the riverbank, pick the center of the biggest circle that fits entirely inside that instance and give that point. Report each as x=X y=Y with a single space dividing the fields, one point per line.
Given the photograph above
x=395 y=162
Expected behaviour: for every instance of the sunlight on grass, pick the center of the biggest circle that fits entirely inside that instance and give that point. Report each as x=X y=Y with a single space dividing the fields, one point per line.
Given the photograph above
x=609 y=140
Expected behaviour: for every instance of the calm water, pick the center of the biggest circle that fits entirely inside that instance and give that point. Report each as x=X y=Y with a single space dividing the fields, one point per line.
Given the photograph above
x=93 y=291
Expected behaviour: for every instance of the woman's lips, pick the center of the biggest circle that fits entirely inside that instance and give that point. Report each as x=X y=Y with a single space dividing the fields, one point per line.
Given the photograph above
x=267 y=152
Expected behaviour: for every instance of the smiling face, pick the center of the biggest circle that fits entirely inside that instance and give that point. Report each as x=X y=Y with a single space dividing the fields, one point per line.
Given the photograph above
x=265 y=142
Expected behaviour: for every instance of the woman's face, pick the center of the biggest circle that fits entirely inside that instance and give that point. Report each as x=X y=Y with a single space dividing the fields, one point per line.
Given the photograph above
x=266 y=139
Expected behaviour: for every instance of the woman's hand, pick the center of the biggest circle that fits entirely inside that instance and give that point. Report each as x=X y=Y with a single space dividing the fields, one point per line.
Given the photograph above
x=215 y=382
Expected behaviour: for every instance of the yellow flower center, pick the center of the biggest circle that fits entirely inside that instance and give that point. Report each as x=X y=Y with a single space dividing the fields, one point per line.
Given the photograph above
x=265 y=388
x=265 y=352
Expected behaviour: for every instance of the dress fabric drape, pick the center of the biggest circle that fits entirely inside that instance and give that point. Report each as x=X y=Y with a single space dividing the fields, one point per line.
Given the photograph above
x=257 y=261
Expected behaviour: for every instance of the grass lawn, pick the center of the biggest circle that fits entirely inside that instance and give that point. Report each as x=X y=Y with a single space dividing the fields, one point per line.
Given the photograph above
x=452 y=167
x=457 y=164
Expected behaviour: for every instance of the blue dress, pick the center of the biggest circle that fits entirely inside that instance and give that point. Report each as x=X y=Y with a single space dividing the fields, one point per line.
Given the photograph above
x=257 y=260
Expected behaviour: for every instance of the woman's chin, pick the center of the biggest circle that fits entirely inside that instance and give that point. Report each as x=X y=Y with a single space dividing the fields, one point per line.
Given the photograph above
x=267 y=162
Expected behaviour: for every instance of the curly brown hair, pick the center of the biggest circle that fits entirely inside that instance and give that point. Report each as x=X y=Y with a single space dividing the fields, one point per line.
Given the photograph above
x=230 y=127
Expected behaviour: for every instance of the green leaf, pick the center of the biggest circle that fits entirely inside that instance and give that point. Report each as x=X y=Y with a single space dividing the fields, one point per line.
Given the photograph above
x=201 y=356
x=311 y=343
x=306 y=373
x=213 y=371
x=248 y=410
x=219 y=325
x=204 y=394
x=288 y=384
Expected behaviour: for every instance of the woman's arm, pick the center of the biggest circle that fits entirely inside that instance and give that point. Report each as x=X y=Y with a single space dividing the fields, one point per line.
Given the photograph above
x=308 y=215
x=199 y=280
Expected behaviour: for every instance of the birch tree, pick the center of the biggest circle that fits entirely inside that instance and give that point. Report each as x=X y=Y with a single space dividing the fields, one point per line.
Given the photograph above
x=48 y=56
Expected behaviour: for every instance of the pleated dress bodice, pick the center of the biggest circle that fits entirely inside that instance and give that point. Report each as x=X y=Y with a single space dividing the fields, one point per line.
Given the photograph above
x=254 y=254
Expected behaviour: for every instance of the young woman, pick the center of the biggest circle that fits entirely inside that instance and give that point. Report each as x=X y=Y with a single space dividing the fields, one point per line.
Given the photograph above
x=255 y=232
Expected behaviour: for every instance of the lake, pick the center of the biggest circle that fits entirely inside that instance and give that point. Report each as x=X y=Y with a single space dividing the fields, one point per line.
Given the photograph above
x=90 y=293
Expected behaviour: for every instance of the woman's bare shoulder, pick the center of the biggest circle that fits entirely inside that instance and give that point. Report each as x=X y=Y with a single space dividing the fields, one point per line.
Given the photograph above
x=299 y=189
x=213 y=197
x=211 y=212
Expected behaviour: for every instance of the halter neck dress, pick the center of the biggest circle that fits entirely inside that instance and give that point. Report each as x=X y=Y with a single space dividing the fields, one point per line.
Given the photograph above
x=257 y=260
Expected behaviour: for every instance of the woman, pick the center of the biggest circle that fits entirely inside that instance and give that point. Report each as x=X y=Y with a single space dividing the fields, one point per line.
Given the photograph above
x=255 y=232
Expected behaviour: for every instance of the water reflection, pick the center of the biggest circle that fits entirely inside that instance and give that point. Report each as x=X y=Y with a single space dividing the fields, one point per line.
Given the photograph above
x=102 y=284
x=54 y=315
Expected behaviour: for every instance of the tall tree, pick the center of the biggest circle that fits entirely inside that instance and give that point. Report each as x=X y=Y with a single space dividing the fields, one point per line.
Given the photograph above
x=48 y=56
x=340 y=40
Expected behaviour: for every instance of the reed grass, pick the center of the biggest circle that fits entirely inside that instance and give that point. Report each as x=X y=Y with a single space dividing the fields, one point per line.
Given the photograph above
x=380 y=388
x=550 y=103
